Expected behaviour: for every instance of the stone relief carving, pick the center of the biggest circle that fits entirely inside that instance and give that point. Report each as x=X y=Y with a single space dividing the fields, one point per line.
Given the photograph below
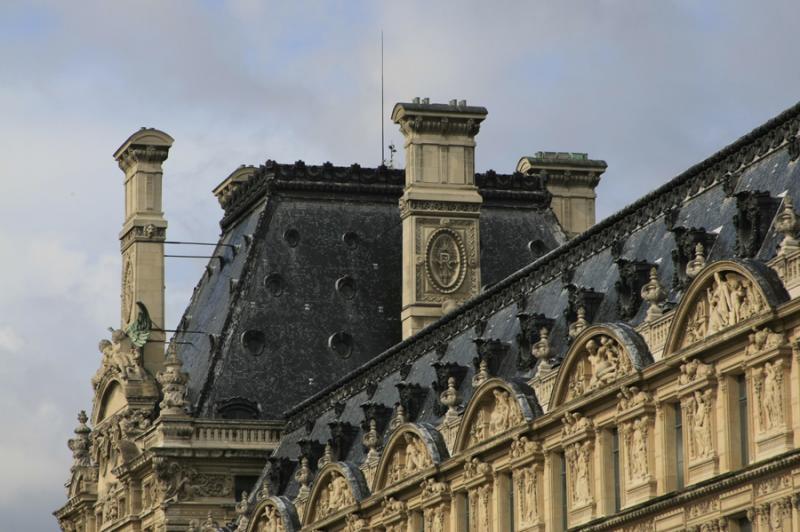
x=631 y=397
x=480 y=511
x=521 y=447
x=435 y=518
x=475 y=467
x=496 y=415
x=105 y=448
x=763 y=339
x=354 y=523
x=579 y=457
x=602 y=361
x=334 y=496
x=699 y=413
x=654 y=294
x=179 y=483
x=271 y=520
x=635 y=438
x=694 y=370
x=772 y=515
x=729 y=299
x=445 y=260
x=769 y=395
x=574 y=423
x=526 y=483
x=409 y=459
x=127 y=289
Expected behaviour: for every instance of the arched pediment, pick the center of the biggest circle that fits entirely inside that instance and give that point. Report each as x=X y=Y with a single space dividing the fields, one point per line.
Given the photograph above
x=723 y=295
x=412 y=447
x=109 y=399
x=495 y=407
x=599 y=356
x=274 y=514
x=337 y=486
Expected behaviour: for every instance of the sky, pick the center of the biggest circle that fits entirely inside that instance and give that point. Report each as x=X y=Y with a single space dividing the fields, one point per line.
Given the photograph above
x=651 y=87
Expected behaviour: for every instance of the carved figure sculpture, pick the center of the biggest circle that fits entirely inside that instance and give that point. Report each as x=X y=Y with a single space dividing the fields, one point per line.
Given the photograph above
x=699 y=408
x=578 y=458
x=768 y=387
x=636 y=443
x=728 y=300
x=527 y=494
x=416 y=455
x=271 y=521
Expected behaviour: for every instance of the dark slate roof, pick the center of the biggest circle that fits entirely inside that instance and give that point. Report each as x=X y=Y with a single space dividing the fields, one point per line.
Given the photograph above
x=310 y=285
x=707 y=202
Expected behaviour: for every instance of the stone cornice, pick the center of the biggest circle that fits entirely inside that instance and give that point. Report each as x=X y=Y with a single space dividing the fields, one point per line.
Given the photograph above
x=774 y=135
x=355 y=180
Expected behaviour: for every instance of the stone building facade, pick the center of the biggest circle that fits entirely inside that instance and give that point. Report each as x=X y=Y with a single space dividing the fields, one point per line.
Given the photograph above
x=643 y=375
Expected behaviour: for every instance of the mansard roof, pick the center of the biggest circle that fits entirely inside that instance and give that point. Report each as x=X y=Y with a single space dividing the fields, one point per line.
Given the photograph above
x=307 y=286
x=727 y=203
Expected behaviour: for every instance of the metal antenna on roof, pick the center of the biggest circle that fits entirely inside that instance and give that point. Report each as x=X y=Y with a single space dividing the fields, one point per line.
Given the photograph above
x=383 y=153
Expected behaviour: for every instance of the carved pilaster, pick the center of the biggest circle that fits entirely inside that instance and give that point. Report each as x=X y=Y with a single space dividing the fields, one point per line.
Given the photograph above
x=697 y=391
x=636 y=425
x=578 y=441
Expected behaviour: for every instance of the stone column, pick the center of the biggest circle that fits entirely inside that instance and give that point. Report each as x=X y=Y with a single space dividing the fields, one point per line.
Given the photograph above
x=439 y=209
x=142 y=237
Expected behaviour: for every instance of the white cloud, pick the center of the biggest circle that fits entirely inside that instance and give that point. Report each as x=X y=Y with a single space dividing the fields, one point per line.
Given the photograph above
x=651 y=87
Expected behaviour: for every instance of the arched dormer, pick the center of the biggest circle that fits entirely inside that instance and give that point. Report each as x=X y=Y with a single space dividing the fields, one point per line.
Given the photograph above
x=599 y=356
x=496 y=406
x=723 y=295
x=412 y=448
x=274 y=513
x=109 y=399
x=338 y=485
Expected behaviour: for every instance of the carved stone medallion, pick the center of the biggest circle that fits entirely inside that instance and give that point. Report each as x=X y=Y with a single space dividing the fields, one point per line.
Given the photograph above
x=445 y=260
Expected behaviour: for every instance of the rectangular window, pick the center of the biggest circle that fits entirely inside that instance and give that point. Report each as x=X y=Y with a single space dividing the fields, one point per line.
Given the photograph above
x=741 y=385
x=678 y=446
x=744 y=525
x=563 y=485
x=615 y=462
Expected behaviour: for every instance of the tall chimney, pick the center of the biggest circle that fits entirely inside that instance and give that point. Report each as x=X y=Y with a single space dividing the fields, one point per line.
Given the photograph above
x=571 y=179
x=439 y=209
x=142 y=237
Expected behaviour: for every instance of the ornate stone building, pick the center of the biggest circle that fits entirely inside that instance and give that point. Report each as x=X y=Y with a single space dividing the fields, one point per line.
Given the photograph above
x=457 y=363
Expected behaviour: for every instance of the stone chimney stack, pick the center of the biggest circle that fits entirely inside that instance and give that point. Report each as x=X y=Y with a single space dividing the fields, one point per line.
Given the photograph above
x=571 y=179
x=142 y=237
x=439 y=209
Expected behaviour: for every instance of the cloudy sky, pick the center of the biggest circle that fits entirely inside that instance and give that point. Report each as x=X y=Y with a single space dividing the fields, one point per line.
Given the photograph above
x=650 y=86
